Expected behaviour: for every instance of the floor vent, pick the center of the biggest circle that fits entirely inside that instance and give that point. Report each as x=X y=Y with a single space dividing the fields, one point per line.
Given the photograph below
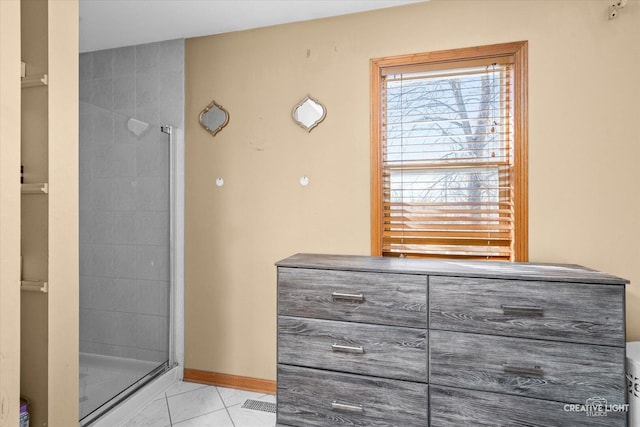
x=257 y=405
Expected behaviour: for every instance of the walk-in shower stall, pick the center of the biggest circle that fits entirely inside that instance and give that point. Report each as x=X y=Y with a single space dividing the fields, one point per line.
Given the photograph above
x=131 y=116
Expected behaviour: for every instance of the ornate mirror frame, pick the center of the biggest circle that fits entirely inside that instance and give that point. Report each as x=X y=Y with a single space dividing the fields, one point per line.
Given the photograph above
x=208 y=108
x=318 y=120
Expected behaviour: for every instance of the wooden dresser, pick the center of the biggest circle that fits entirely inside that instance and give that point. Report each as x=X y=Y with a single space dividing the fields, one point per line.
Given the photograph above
x=369 y=341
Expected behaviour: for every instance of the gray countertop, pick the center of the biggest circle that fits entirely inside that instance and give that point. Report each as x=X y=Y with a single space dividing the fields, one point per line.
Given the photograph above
x=462 y=268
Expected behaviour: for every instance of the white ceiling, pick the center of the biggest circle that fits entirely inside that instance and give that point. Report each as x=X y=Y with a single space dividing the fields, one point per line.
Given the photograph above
x=106 y=24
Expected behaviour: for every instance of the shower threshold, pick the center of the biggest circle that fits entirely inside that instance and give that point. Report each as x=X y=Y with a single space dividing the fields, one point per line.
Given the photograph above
x=106 y=381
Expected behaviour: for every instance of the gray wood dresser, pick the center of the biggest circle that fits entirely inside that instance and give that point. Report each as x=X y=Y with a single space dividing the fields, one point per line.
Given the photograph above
x=371 y=341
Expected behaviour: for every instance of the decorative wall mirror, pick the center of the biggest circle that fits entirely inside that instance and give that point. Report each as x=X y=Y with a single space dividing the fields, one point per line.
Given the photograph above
x=308 y=113
x=213 y=118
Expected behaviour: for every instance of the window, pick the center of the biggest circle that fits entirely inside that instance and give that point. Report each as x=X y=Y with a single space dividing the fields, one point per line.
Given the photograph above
x=448 y=154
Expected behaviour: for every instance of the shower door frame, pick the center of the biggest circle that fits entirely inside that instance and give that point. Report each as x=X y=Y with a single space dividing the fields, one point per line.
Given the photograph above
x=127 y=402
x=176 y=296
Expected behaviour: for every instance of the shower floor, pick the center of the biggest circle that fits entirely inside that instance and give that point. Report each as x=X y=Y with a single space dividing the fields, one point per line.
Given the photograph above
x=103 y=377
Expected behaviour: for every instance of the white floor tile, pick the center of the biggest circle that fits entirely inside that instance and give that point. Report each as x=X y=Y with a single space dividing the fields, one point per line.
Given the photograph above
x=249 y=418
x=183 y=387
x=194 y=403
x=154 y=414
x=219 y=418
x=161 y=396
x=232 y=396
x=267 y=398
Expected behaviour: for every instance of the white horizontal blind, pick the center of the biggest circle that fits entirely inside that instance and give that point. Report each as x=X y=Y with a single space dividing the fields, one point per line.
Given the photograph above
x=447 y=159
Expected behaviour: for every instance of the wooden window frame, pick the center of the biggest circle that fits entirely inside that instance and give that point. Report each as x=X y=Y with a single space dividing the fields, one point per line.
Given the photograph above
x=378 y=67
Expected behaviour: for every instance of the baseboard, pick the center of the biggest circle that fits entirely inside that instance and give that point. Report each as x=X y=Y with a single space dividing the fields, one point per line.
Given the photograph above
x=231 y=381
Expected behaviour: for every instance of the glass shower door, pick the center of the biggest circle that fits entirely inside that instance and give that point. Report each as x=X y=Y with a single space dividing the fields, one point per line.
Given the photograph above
x=125 y=248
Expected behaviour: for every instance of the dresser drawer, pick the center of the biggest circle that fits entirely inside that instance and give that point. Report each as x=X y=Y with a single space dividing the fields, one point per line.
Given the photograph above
x=313 y=398
x=383 y=351
x=552 y=370
x=559 y=311
x=388 y=299
x=453 y=407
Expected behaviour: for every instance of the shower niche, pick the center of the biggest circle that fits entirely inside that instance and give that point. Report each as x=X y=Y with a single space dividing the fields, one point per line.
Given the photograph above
x=48 y=218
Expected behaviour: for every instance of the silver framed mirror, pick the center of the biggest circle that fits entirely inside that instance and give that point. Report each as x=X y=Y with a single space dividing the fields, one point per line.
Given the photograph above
x=213 y=118
x=308 y=113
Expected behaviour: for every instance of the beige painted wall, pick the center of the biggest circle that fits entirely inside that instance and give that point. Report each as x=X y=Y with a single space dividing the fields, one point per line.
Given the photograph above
x=63 y=271
x=47 y=353
x=584 y=145
x=9 y=213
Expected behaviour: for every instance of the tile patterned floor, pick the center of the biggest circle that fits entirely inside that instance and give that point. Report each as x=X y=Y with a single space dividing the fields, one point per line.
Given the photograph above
x=195 y=405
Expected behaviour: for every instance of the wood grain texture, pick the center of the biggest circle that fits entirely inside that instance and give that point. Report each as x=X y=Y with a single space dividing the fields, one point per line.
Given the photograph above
x=375 y=153
x=305 y=396
x=487 y=51
x=488 y=269
x=388 y=351
x=570 y=372
x=521 y=152
x=571 y=312
x=452 y=407
x=558 y=329
x=232 y=381
x=514 y=53
x=389 y=299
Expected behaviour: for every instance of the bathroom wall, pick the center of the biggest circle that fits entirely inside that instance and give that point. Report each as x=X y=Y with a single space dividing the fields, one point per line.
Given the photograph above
x=63 y=374
x=9 y=212
x=584 y=111
x=124 y=199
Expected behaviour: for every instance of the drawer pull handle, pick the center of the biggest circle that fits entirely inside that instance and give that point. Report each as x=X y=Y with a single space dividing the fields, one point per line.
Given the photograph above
x=522 y=310
x=535 y=371
x=347 y=349
x=339 y=296
x=347 y=408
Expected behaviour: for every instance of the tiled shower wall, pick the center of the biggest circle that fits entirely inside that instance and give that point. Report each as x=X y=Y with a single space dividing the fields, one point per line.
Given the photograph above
x=124 y=197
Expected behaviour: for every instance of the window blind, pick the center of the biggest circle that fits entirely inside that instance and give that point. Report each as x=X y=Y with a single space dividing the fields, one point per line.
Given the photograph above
x=447 y=138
